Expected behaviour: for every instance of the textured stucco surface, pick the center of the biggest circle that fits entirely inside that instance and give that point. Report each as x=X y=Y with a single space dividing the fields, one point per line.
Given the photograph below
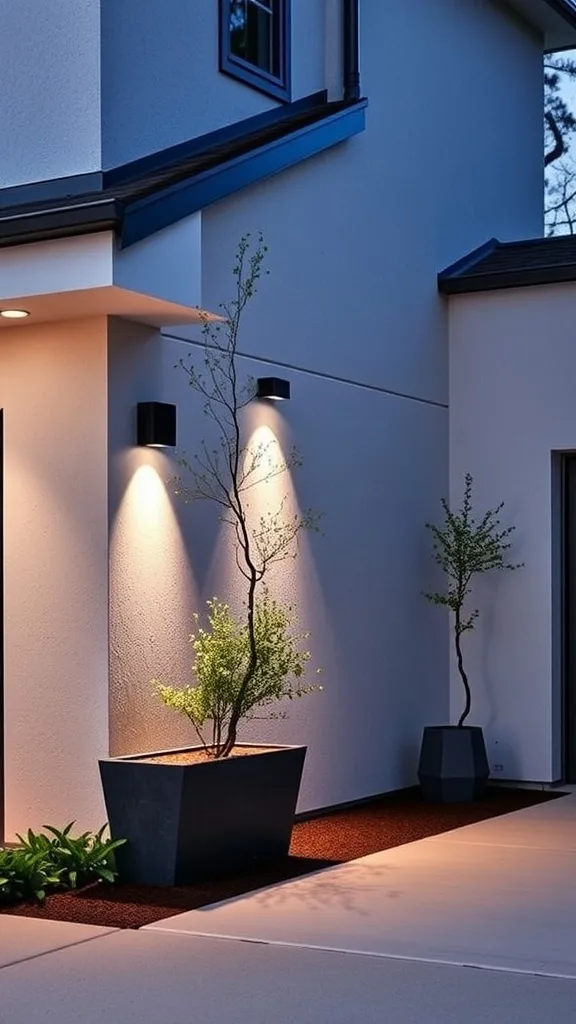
x=513 y=365
x=351 y=314
x=53 y=393
x=49 y=89
x=88 y=84
x=161 y=58
x=354 y=587
x=358 y=234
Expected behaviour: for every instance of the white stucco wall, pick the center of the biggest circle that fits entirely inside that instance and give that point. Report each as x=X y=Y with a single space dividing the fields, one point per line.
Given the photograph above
x=358 y=234
x=351 y=314
x=49 y=89
x=53 y=394
x=160 y=79
x=92 y=83
x=512 y=368
x=356 y=587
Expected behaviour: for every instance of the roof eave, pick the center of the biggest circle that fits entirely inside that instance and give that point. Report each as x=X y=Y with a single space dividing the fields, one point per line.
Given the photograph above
x=564 y=38
x=135 y=219
x=497 y=281
x=166 y=207
x=555 y=20
x=63 y=222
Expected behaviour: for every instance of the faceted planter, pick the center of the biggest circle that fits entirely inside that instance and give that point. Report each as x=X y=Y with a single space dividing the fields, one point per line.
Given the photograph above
x=453 y=763
x=189 y=822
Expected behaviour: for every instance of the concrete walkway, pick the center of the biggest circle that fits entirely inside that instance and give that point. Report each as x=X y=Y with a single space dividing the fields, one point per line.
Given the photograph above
x=500 y=894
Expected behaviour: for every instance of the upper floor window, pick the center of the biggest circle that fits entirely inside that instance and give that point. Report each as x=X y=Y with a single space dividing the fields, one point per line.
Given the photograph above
x=255 y=44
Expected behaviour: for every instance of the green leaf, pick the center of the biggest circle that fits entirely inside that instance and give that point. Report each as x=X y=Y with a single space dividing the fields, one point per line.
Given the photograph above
x=106 y=874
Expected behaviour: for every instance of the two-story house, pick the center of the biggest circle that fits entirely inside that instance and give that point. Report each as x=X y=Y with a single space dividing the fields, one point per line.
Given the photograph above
x=140 y=141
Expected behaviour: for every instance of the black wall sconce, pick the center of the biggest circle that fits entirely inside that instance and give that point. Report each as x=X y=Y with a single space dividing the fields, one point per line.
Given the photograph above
x=156 y=424
x=273 y=387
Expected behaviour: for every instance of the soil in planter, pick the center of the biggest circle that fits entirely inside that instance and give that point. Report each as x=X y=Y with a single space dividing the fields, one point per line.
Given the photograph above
x=320 y=842
x=197 y=756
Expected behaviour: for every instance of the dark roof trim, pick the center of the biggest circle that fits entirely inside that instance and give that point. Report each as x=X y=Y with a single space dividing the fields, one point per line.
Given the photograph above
x=497 y=265
x=17 y=228
x=97 y=181
x=226 y=136
x=565 y=9
x=460 y=267
x=159 y=210
x=53 y=188
x=147 y=195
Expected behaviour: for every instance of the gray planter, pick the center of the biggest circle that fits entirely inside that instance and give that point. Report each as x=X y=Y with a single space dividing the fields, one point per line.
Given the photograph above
x=453 y=764
x=188 y=823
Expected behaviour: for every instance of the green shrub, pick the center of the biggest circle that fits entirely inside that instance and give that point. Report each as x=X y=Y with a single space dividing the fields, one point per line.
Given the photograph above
x=223 y=686
x=24 y=874
x=58 y=860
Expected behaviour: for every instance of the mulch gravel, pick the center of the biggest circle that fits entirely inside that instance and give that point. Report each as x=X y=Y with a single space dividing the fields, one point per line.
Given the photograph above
x=319 y=842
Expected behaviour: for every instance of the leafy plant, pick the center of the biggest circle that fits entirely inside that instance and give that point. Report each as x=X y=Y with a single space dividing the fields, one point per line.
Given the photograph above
x=83 y=858
x=25 y=873
x=222 y=656
x=464 y=548
x=240 y=665
x=55 y=861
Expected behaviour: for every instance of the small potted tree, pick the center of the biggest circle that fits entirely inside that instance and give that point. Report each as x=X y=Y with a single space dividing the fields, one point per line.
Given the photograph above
x=453 y=763
x=222 y=805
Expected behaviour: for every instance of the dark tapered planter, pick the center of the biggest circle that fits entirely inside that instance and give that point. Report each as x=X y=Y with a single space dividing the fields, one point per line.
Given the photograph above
x=453 y=764
x=186 y=823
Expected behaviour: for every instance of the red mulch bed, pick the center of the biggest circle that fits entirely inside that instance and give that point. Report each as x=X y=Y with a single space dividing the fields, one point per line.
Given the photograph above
x=320 y=842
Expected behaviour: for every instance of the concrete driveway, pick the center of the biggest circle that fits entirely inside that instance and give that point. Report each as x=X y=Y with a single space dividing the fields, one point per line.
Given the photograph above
x=385 y=938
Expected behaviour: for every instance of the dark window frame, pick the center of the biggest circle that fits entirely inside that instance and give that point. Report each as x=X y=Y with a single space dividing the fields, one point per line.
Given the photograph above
x=277 y=86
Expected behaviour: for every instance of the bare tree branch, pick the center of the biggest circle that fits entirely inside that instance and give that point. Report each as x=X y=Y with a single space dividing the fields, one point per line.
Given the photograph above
x=223 y=475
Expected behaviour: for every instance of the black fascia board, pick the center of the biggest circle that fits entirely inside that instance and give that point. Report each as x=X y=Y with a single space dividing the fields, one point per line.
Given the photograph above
x=470 y=260
x=78 y=185
x=154 y=212
x=60 y=222
x=51 y=190
x=508 y=279
x=235 y=132
x=134 y=217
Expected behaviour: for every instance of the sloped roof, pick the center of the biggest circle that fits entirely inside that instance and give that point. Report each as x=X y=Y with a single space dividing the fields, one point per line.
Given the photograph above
x=512 y=265
x=142 y=197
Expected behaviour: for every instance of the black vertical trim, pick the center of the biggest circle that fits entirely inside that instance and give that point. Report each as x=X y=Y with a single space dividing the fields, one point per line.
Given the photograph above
x=351 y=52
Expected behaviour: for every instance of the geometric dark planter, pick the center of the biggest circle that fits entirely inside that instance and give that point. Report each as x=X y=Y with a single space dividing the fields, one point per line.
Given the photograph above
x=453 y=765
x=187 y=823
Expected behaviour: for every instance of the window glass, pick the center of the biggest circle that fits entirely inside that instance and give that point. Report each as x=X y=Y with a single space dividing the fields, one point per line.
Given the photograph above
x=255 y=44
x=251 y=33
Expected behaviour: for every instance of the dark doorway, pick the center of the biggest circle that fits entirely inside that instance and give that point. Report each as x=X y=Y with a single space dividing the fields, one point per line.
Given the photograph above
x=569 y=615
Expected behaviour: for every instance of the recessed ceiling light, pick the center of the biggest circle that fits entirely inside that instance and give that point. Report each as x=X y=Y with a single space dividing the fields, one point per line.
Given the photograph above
x=14 y=314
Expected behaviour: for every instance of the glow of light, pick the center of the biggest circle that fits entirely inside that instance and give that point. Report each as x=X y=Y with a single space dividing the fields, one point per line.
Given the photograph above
x=14 y=314
x=152 y=598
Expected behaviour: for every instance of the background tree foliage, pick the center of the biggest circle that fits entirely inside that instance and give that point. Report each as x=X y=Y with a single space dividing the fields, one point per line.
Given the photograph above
x=559 y=130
